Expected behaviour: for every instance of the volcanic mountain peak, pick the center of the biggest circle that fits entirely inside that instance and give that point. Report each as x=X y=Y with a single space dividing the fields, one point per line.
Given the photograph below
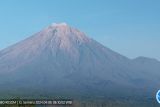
x=65 y=33
x=59 y=26
x=53 y=38
x=61 y=57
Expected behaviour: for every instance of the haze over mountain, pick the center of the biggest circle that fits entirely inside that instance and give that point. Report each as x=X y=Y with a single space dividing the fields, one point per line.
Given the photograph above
x=62 y=61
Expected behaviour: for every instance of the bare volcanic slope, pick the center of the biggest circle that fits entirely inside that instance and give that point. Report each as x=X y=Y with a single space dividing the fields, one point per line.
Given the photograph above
x=62 y=61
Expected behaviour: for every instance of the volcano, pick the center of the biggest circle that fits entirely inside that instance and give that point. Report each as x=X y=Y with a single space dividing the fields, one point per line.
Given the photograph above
x=62 y=61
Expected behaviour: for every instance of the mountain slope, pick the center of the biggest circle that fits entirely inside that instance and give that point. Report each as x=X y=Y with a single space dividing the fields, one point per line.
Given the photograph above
x=61 y=60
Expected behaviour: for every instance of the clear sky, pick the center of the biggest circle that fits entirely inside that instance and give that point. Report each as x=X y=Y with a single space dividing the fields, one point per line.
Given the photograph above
x=130 y=27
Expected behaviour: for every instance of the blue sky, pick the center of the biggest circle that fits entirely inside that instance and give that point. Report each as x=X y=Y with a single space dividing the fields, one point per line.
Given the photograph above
x=130 y=27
